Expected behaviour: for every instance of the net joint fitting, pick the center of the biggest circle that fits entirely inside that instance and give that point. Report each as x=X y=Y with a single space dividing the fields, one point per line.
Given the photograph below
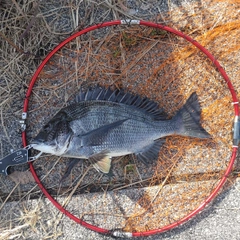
x=130 y=21
x=121 y=234
x=22 y=121
x=236 y=131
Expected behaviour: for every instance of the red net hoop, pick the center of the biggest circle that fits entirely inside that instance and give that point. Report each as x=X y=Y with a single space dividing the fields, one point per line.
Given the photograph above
x=234 y=148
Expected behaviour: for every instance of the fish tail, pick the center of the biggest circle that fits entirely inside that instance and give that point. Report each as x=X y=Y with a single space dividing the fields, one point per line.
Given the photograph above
x=188 y=119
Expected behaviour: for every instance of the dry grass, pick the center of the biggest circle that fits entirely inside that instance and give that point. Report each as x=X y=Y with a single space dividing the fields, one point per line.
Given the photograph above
x=145 y=61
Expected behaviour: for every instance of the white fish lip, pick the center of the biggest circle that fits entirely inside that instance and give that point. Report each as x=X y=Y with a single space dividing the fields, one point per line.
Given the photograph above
x=42 y=147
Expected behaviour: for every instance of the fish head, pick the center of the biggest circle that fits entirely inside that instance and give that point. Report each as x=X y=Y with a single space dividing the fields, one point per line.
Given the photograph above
x=54 y=137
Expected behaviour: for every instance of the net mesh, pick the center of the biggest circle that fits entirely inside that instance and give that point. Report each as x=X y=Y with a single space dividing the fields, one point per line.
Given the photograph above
x=166 y=69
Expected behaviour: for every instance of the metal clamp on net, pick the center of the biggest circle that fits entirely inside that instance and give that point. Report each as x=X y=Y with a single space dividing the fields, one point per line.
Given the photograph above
x=17 y=157
x=236 y=131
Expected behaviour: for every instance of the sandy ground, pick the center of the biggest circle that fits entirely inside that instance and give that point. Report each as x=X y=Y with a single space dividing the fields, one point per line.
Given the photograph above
x=143 y=61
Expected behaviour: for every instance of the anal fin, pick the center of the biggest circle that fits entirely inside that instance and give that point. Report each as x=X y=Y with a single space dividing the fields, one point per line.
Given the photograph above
x=149 y=154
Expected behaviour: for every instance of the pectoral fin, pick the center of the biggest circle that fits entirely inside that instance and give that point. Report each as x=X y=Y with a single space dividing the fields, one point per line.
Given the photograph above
x=97 y=136
x=101 y=161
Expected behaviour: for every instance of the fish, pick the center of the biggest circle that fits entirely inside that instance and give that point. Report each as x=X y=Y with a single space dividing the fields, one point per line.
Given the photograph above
x=103 y=123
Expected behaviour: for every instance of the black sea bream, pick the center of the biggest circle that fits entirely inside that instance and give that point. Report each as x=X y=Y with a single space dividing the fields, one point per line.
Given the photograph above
x=103 y=124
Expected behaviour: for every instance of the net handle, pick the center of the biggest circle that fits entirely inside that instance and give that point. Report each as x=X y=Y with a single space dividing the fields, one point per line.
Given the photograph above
x=234 y=149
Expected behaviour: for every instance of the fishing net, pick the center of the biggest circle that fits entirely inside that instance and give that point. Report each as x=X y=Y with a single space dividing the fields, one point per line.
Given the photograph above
x=156 y=62
x=152 y=63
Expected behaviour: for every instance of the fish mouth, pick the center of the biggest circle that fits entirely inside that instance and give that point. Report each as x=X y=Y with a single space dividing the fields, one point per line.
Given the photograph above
x=41 y=142
x=42 y=146
x=38 y=142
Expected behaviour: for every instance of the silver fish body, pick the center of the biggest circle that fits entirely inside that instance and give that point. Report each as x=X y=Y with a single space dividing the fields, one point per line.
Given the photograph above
x=103 y=124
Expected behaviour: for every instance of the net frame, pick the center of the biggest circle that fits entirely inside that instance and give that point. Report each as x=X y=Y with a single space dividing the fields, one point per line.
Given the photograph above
x=119 y=232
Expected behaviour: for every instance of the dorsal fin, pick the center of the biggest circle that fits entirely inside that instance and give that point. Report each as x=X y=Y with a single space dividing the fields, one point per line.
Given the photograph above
x=106 y=94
